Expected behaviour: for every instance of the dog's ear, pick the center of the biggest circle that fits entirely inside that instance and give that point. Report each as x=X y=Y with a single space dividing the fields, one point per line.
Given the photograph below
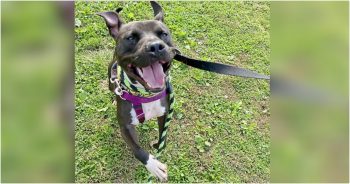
x=158 y=11
x=113 y=21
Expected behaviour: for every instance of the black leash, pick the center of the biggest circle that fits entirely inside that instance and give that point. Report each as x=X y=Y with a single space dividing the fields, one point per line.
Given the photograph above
x=220 y=68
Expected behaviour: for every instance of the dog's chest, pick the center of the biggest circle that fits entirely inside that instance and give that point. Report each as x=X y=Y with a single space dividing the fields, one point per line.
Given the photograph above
x=150 y=110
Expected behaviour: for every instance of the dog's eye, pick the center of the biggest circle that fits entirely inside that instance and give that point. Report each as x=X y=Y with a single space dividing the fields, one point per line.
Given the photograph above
x=130 y=38
x=164 y=34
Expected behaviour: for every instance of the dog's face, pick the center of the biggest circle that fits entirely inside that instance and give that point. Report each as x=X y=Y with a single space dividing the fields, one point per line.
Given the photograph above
x=144 y=49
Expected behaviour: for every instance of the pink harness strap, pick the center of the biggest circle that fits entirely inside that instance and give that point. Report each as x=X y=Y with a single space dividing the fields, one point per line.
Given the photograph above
x=137 y=102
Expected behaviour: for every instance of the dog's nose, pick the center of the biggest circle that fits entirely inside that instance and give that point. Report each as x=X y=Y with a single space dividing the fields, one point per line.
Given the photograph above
x=156 y=47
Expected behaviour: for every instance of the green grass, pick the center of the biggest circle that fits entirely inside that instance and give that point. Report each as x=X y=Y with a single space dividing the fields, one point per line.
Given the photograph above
x=220 y=131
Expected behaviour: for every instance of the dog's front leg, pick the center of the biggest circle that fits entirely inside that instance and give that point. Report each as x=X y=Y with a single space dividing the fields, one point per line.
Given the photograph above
x=129 y=134
x=152 y=164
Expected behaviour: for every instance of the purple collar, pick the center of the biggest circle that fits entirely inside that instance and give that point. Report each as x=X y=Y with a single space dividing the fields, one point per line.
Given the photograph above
x=137 y=102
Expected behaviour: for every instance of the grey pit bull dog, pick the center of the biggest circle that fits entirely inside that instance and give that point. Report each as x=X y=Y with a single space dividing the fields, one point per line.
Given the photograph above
x=144 y=51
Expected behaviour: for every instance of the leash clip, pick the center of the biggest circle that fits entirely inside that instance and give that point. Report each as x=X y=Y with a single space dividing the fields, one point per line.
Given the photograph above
x=118 y=90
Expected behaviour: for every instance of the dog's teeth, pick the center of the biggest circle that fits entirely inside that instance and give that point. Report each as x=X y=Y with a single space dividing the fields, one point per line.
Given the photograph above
x=139 y=70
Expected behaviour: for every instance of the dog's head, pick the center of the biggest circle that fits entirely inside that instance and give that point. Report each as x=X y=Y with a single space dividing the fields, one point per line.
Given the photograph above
x=144 y=49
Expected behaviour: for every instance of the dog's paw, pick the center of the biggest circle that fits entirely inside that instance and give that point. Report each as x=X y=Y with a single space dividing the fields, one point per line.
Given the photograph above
x=157 y=168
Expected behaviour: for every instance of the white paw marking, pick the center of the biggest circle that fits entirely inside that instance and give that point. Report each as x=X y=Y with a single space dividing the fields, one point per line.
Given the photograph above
x=157 y=168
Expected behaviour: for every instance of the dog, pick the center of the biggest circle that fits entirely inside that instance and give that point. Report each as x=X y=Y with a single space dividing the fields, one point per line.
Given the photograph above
x=144 y=51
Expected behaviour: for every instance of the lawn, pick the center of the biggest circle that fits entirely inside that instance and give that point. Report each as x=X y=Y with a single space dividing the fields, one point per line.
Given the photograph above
x=221 y=126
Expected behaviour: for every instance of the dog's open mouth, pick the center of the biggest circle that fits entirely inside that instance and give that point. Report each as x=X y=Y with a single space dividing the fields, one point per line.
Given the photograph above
x=153 y=75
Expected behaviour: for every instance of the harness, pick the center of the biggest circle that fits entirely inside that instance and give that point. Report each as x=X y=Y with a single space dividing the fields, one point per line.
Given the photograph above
x=137 y=101
x=135 y=94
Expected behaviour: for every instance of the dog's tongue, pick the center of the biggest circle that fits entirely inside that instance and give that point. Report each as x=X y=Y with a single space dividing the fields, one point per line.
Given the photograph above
x=154 y=75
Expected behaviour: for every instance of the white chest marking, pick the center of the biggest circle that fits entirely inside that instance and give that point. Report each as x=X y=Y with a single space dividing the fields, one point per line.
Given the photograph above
x=151 y=110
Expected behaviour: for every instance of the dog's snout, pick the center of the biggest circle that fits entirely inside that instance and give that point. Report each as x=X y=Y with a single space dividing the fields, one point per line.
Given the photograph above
x=156 y=47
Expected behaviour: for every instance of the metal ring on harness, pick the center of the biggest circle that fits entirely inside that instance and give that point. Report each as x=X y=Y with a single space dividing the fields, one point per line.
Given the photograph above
x=118 y=90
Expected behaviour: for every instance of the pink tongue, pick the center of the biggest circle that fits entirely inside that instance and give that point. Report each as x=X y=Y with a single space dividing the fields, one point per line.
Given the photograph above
x=154 y=75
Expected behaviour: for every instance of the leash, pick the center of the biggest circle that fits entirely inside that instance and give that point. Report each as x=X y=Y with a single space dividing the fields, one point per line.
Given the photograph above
x=220 y=68
x=169 y=115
